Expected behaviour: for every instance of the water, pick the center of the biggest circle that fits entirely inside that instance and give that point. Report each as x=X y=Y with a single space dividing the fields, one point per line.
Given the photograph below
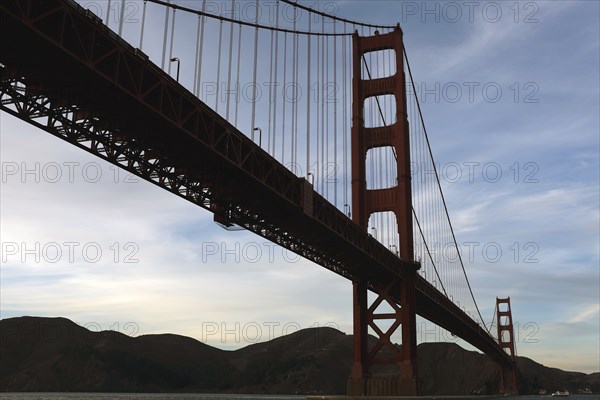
x=193 y=396
x=139 y=396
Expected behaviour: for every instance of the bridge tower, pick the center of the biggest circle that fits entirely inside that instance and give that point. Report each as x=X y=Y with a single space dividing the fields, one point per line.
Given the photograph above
x=400 y=377
x=508 y=376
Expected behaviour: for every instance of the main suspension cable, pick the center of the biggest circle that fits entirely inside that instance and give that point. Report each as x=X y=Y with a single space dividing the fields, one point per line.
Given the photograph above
x=251 y=24
x=325 y=15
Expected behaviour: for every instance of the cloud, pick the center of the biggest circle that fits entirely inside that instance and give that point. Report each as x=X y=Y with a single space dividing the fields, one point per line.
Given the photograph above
x=593 y=311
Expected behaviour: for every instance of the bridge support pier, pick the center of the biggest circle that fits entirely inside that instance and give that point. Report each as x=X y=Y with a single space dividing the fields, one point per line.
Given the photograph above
x=508 y=376
x=398 y=365
x=508 y=380
x=381 y=368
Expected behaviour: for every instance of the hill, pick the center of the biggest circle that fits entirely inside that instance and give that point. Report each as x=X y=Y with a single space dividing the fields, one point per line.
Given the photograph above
x=55 y=354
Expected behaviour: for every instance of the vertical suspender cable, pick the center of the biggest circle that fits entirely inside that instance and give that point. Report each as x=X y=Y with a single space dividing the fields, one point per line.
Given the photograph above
x=426 y=200
x=172 y=37
x=143 y=24
x=219 y=65
x=308 y=98
x=164 y=51
x=350 y=122
x=108 y=12
x=294 y=82
x=253 y=121
x=385 y=159
x=345 y=116
x=230 y=59
x=394 y=178
x=430 y=207
x=392 y=172
x=430 y=210
x=202 y=22
x=296 y=99
x=349 y=115
x=121 y=18
x=319 y=167
x=414 y=184
x=283 y=98
x=371 y=123
x=237 y=78
x=326 y=112
x=270 y=93
x=273 y=84
x=195 y=90
x=378 y=153
x=378 y=122
x=323 y=170
x=385 y=162
x=419 y=182
x=335 y=107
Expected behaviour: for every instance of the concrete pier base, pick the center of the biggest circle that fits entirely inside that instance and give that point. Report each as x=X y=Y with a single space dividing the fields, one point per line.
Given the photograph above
x=392 y=386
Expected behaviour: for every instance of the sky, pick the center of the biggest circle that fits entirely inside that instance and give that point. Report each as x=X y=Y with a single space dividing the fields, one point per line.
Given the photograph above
x=510 y=97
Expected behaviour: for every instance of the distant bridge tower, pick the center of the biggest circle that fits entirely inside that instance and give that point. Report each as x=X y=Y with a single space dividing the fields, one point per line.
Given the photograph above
x=398 y=199
x=506 y=340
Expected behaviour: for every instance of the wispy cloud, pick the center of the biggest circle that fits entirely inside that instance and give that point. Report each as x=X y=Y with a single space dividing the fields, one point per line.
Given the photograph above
x=593 y=311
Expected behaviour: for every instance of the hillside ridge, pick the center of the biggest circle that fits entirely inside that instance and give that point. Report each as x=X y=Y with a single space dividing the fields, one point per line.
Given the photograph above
x=55 y=354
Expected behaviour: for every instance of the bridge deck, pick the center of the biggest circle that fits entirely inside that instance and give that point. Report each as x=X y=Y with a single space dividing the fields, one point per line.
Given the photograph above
x=71 y=76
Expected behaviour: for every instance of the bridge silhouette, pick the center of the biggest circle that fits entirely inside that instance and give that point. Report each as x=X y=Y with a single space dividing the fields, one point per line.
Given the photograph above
x=303 y=129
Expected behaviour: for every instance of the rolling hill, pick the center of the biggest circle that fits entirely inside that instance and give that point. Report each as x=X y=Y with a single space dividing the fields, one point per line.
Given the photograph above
x=55 y=354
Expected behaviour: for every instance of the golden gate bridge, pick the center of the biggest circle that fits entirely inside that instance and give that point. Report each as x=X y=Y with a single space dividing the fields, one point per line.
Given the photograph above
x=289 y=121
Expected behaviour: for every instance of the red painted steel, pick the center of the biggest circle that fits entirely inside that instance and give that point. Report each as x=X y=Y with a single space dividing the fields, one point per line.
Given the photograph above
x=397 y=199
x=506 y=340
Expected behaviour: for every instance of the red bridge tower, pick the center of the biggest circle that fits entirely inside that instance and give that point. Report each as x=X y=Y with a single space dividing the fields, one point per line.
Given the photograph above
x=402 y=379
x=506 y=340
